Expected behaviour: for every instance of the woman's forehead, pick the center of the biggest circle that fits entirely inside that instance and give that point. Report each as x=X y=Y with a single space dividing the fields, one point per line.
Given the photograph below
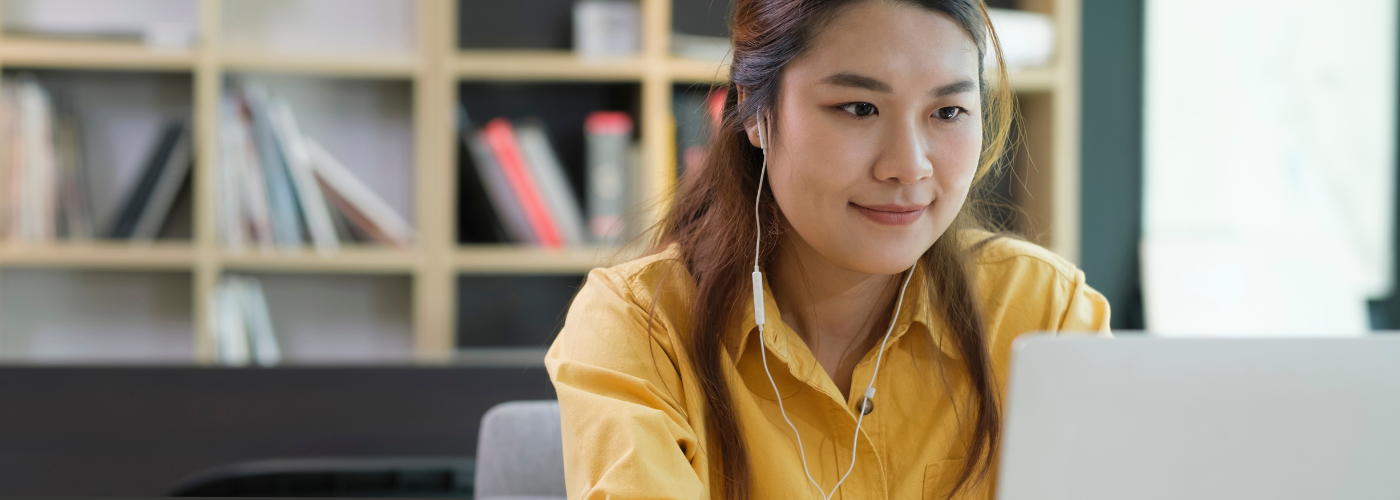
x=890 y=41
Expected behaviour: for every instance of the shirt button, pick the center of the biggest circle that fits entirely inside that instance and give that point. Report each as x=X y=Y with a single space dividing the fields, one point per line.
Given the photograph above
x=866 y=406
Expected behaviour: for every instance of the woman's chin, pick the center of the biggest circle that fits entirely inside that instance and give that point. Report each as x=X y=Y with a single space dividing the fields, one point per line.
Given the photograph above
x=884 y=257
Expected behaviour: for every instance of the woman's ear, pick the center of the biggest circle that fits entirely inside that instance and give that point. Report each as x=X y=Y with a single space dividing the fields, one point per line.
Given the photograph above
x=751 y=128
x=750 y=122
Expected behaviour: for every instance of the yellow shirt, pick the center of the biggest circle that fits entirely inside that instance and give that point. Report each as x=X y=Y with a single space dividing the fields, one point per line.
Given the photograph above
x=631 y=408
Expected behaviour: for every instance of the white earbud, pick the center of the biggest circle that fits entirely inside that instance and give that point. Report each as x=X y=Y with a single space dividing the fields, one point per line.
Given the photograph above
x=759 y=319
x=762 y=138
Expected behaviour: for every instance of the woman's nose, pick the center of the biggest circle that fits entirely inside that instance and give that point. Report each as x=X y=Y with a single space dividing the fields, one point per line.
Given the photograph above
x=905 y=156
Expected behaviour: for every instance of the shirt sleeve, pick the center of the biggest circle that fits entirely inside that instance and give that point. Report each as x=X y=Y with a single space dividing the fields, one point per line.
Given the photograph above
x=625 y=428
x=1086 y=310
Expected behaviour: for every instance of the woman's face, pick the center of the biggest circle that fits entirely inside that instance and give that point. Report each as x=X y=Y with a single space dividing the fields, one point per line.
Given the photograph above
x=877 y=136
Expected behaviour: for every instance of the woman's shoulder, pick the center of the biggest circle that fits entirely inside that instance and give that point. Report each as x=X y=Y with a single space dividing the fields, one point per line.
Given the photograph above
x=640 y=277
x=1003 y=251
x=1026 y=287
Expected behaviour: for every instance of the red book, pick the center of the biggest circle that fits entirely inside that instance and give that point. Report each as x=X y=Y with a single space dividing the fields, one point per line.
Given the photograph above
x=501 y=137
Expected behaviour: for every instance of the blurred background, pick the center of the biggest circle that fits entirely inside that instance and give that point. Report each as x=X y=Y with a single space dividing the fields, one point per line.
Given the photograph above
x=305 y=181
x=392 y=202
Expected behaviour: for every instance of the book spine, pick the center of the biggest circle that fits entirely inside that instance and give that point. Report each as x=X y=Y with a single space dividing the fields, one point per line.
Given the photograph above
x=559 y=196
x=9 y=152
x=173 y=174
x=498 y=189
x=227 y=170
x=357 y=201
x=255 y=204
x=286 y=216
x=140 y=194
x=313 y=205
x=266 y=352
x=501 y=137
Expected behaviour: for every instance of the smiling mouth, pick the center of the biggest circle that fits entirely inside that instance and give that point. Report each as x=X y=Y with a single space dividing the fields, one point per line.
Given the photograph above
x=892 y=215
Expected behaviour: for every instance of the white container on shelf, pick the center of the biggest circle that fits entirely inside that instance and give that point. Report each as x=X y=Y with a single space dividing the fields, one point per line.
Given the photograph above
x=607 y=28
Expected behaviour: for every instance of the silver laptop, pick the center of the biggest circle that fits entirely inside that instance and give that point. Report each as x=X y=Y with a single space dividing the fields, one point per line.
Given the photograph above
x=1153 y=418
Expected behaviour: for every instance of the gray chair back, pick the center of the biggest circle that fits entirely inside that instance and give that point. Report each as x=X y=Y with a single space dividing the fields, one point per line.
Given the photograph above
x=520 y=453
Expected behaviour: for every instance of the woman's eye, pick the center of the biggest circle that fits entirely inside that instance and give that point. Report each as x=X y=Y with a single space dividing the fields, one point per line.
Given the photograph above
x=948 y=113
x=860 y=109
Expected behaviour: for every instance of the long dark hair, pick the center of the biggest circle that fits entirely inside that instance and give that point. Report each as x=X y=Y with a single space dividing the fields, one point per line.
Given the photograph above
x=711 y=219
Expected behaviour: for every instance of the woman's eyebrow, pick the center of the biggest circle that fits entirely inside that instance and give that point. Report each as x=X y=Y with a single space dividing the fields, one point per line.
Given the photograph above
x=953 y=88
x=849 y=79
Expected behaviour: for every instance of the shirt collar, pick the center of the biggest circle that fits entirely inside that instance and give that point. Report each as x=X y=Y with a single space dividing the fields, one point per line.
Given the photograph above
x=914 y=314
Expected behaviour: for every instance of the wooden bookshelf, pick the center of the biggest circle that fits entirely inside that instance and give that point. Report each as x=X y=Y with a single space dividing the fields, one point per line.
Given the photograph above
x=1050 y=96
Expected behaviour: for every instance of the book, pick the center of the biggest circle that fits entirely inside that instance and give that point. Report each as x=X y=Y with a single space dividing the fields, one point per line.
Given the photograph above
x=493 y=181
x=76 y=205
x=264 y=347
x=281 y=197
x=167 y=188
x=35 y=172
x=139 y=196
x=241 y=324
x=228 y=326
x=298 y=161
x=501 y=137
x=477 y=220
x=9 y=154
x=608 y=135
x=554 y=185
x=245 y=162
x=357 y=202
x=228 y=170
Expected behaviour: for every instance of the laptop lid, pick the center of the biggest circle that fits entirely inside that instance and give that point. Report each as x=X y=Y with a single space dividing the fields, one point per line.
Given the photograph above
x=1152 y=418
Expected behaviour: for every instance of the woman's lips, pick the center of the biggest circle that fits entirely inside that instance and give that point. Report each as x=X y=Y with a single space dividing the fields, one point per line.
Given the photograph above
x=891 y=215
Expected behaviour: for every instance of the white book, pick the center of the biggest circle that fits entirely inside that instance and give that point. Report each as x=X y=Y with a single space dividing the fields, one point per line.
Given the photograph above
x=544 y=164
x=9 y=149
x=313 y=204
x=255 y=205
x=37 y=177
x=370 y=207
x=172 y=177
x=231 y=338
x=230 y=213
x=265 y=350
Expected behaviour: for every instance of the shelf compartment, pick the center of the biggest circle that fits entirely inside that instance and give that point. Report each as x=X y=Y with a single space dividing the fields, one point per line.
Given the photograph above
x=122 y=117
x=84 y=54
x=127 y=317
x=99 y=255
x=345 y=318
x=357 y=259
x=367 y=125
x=541 y=65
x=507 y=311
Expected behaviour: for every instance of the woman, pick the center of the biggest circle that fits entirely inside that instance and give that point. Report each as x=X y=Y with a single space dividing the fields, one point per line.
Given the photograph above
x=852 y=134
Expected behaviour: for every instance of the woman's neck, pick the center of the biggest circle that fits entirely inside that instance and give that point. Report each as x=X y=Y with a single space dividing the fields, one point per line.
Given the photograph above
x=835 y=310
